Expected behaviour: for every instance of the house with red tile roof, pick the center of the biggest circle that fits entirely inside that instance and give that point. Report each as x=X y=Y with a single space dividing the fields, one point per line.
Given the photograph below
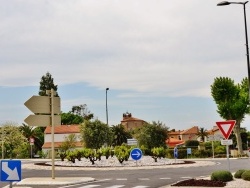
x=176 y=138
x=129 y=122
x=60 y=133
x=214 y=134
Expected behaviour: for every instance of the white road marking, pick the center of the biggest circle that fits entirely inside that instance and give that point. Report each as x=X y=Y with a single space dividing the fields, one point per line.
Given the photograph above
x=186 y=177
x=90 y=186
x=143 y=178
x=165 y=178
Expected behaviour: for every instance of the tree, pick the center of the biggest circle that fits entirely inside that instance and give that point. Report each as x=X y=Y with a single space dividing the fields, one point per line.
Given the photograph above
x=70 y=119
x=202 y=134
x=33 y=132
x=47 y=83
x=77 y=115
x=69 y=143
x=119 y=135
x=94 y=133
x=232 y=102
x=15 y=144
x=82 y=111
x=152 y=135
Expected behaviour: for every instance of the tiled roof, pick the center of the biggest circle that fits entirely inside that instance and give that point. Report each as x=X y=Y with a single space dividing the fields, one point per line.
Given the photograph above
x=62 y=129
x=131 y=119
x=175 y=132
x=172 y=142
x=57 y=144
x=193 y=130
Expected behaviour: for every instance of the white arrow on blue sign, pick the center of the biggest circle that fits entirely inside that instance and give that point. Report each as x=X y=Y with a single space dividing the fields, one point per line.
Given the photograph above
x=10 y=170
x=136 y=154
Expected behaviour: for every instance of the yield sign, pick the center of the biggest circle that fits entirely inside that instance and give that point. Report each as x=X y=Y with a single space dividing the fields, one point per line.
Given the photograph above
x=226 y=127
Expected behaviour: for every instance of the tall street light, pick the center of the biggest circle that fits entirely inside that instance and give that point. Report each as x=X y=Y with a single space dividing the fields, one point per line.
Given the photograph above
x=107 y=105
x=247 y=49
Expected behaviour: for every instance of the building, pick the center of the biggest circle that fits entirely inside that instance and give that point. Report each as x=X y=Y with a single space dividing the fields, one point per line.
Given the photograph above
x=129 y=122
x=61 y=132
x=176 y=138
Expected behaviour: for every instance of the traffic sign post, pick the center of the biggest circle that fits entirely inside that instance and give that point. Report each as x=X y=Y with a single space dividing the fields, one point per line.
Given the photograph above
x=175 y=153
x=132 y=142
x=42 y=107
x=46 y=111
x=11 y=171
x=136 y=154
x=226 y=128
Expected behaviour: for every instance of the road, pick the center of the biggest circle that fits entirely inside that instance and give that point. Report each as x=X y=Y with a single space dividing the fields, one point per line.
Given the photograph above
x=139 y=178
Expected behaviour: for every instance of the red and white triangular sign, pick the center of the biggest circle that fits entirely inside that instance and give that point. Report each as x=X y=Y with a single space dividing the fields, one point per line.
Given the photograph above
x=226 y=127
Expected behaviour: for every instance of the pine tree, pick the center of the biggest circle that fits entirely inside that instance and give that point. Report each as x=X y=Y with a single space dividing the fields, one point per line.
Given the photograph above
x=47 y=83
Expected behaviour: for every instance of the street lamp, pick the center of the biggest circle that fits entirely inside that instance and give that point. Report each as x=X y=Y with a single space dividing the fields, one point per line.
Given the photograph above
x=247 y=49
x=107 y=106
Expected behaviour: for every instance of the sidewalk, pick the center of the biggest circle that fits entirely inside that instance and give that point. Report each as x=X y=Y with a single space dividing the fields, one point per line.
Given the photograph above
x=56 y=181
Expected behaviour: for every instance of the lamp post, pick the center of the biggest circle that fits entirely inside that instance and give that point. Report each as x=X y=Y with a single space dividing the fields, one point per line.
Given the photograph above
x=247 y=49
x=107 y=105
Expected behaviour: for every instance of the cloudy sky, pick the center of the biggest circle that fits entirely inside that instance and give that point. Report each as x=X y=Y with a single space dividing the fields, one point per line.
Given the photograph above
x=159 y=58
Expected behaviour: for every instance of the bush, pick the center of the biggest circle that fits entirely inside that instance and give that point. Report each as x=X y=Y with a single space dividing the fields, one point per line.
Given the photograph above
x=159 y=152
x=202 y=153
x=239 y=173
x=122 y=153
x=190 y=143
x=246 y=175
x=222 y=175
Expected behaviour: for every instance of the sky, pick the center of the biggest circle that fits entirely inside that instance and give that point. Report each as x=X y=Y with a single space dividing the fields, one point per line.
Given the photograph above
x=158 y=58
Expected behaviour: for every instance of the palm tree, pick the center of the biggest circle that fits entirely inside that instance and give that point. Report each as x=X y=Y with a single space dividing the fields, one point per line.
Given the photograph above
x=33 y=132
x=120 y=136
x=202 y=133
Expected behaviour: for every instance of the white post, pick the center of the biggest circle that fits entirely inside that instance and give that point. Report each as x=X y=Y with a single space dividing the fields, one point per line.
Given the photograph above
x=228 y=159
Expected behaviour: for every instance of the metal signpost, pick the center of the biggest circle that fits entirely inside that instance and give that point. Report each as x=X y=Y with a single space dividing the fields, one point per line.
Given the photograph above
x=31 y=144
x=46 y=111
x=175 y=153
x=10 y=171
x=189 y=151
x=132 y=142
x=213 y=138
x=226 y=128
x=136 y=154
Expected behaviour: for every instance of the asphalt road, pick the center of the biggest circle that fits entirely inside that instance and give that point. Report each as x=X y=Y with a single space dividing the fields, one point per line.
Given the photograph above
x=141 y=178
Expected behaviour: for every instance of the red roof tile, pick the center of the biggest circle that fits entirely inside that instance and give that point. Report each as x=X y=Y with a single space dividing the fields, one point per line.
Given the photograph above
x=172 y=142
x=62 y=129
x=193 y=130
x=57 y=144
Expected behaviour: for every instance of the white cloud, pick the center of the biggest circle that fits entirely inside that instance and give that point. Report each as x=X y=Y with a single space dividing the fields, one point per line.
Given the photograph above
x=171 y=48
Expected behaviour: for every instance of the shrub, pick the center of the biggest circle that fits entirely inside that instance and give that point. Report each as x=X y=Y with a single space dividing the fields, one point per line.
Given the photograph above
x=239 y=173
x=190 y=143
x=159 y=152
x=246 y=175
x=220 y=150
x=106 y=152
x=222 y=175
x=202 y=153
x=71 y=156
x=122 y=153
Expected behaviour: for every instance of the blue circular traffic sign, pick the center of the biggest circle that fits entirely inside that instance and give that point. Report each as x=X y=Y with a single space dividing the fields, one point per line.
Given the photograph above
x=136 y=154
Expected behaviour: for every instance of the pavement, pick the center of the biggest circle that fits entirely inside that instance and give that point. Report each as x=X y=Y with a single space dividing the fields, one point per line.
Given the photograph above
x=56 y=181
x=65 y=181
